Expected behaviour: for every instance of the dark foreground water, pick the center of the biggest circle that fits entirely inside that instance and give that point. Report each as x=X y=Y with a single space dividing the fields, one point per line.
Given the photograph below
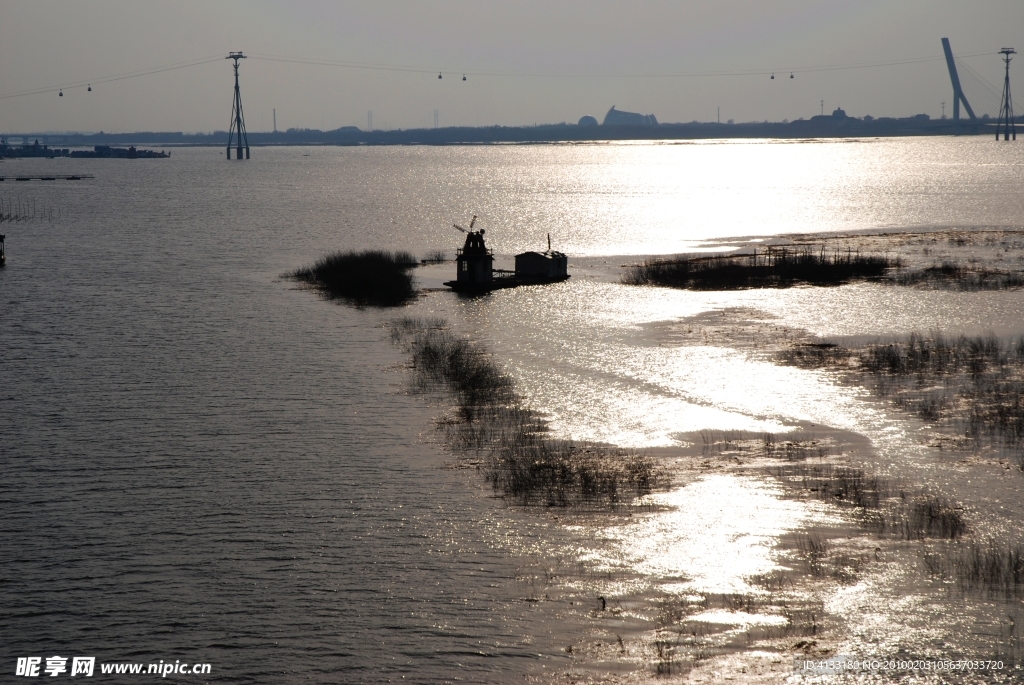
x=203 y=463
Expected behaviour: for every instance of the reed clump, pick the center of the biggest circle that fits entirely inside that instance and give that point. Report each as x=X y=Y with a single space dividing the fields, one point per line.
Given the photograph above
x=885 y=508
x=683 y=638
x=989 y=567
x=970 y=386
x=793 y=450
x=520 y=460
x=772 y=268
x=373 y=277
x=954 y=276
x=435 y=257
x=815 y=355
x=938 y=355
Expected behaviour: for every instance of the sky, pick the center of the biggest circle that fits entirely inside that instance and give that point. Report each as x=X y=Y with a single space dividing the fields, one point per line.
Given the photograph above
x=525 y=61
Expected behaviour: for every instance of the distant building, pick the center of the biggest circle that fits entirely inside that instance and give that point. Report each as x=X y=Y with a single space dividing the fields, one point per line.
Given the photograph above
x=616 y=117
x=587 y=121
x=838 y=114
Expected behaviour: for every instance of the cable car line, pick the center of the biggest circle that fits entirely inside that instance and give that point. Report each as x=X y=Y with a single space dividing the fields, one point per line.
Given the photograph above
x=537 y=74
x=110 y=79
x=87 y=83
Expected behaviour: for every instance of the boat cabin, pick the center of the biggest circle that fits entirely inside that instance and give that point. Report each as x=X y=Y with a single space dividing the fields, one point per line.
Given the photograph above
x=546 y=265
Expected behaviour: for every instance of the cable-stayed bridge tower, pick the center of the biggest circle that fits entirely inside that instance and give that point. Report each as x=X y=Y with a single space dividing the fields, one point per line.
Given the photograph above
x=1006 y=106
x=958 y=93
x=237 y=118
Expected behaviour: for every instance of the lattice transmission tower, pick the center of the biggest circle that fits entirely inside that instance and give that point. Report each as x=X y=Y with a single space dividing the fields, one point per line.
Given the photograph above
x=237 y=118
x=1006 y=125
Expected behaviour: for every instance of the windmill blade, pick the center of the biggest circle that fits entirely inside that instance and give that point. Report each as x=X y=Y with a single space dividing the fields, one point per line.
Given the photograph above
x=460 y=228
x=472 y=222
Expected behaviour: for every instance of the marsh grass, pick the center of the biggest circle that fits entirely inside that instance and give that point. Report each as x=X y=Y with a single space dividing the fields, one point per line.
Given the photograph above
x=520 y=460
x=992 y=567
x=815 y=355
x=823 y=561
x=815 y=549
x=682 y=641
x=885 y=508
x=793 y=450
x=955 y=276
x=435 y=257
x=374 y=277
x=971 y=387
x=772 y=268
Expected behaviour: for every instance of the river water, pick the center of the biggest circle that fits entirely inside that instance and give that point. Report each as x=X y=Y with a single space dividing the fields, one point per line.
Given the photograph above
x=204 y=463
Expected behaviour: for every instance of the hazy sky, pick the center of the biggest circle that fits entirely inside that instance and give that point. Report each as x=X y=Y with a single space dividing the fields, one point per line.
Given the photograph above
x=528 y=61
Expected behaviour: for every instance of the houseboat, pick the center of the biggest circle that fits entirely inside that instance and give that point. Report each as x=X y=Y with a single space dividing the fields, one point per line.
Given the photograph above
x=475 y=271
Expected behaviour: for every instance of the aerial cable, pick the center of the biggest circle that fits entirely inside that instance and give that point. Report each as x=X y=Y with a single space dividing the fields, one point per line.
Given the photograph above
x=290 y=59
x=110 y=79
x=982 y=92
x=985 y=83
x=87 y=83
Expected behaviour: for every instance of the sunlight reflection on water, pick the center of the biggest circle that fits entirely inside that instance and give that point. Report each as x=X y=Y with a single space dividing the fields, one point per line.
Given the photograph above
x=718 y=532
x=580 y=352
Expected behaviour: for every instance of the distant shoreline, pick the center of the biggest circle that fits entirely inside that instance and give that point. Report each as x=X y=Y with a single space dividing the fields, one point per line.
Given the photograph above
x=816 y=127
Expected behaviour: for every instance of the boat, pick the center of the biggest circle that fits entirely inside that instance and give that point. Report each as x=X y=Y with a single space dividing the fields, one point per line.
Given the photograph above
x=475 y=272
x=108 y=152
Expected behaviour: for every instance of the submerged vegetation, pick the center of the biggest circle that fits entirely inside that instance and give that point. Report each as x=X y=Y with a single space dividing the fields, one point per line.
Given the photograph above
x=773 y=268
x=374 y=277
x=518 y=459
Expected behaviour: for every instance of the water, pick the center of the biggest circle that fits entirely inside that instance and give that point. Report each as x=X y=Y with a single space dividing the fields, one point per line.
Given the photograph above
x=204 y=463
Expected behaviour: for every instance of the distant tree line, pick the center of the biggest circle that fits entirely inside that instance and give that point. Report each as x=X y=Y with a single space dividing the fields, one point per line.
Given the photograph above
x=815 y=127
